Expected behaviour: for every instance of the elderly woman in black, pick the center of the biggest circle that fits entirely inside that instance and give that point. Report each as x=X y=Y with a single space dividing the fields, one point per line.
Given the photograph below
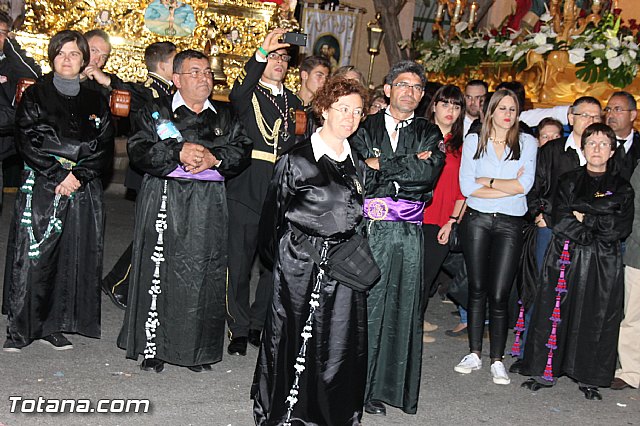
x=577 y=314
x=54 y=255
x=312 y=365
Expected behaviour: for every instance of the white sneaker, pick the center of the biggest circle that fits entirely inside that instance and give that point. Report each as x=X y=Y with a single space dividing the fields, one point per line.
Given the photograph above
x=468 y=364
x=499 y=374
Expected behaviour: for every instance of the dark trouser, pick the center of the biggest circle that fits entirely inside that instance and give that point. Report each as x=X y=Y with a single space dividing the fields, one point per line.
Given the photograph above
x=434 y=256
x=243 y=242
x=119 y=275
x=492 y=244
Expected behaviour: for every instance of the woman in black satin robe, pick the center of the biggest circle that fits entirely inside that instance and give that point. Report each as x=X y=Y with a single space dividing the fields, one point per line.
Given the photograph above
x=54 y=255
x=574 y=327
x=316 y=189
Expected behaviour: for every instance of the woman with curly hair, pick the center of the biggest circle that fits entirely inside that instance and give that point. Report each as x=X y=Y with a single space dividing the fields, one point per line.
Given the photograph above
x=312 y=364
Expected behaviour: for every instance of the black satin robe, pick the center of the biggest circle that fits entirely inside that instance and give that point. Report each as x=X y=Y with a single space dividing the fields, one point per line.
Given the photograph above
x=321 y=199
x=59 y=291
x=191 y=305
x=592 y=308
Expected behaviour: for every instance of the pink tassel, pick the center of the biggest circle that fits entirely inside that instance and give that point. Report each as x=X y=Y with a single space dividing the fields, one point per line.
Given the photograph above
x=548 y=370
x=561 y=287
x=519 y=328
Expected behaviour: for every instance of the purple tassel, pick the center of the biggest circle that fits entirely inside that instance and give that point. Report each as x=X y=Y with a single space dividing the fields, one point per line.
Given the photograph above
x=548 y=370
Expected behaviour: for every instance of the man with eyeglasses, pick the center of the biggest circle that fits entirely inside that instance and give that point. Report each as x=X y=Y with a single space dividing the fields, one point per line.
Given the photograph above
x=474 y=95
x=620 y=113
x=14 y=65
x=158 y=58
x=176 y=311
x=404 y=155
x=555 y=158
x=266 y=107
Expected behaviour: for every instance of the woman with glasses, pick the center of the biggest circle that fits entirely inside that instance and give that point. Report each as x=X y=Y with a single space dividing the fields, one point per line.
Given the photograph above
x=496 y=172
x=64 y=134
x=314 y=202
x=446 y=110
x=575 y=324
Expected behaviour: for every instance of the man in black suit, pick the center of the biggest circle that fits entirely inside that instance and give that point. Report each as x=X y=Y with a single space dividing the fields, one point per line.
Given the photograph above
x=14 y=65
x=158 y=58
x=265 y=107
x=620 y=113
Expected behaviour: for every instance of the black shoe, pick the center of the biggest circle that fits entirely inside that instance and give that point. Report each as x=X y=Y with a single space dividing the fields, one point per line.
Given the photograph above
x=14 y=346
x=516 y=367
x=238 y=346
x=57 y=342
x=375 y=408
x=591 y=392
x=254 y=338
x=458 y=333
x=534 y=385
x=196 y=368
x=117 y=293
x=152 y=364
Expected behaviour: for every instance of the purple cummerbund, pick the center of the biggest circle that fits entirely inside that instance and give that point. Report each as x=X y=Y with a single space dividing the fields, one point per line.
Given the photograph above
x=209 y=175
x=393 y=211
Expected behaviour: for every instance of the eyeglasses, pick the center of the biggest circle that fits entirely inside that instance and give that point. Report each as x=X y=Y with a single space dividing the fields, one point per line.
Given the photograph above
x=207 y=73
x=279 y=56
x=585 y=116
x=357 y=113
x=601 y=145
x=404 y=85
x=616 y=110
x=378 y=106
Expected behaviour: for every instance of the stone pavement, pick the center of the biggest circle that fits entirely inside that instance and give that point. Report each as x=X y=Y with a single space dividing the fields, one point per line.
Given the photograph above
x=97 y=369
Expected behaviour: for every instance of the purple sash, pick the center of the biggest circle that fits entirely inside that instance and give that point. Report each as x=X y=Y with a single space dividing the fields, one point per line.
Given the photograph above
x=208 y=175
x=393 y=211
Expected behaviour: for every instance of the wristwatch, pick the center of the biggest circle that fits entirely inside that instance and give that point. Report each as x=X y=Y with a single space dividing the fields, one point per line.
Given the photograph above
x=491 y=182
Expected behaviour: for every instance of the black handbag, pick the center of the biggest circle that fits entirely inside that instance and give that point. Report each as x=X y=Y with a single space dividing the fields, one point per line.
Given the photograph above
x=350 y=263
x=455 y=243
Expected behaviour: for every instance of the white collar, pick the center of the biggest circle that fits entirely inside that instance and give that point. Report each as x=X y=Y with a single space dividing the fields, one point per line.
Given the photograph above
x=390 y=122
x=628 y=141
x=161 y=78
x=320 y=148
x=571 y=143
x=275 y=90
x=178 y=101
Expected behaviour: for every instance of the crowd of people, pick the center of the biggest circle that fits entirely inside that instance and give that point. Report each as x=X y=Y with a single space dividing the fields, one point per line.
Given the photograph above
x=351 y=201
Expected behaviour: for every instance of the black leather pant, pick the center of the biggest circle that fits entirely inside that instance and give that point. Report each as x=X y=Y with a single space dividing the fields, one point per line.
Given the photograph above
x=492 y=244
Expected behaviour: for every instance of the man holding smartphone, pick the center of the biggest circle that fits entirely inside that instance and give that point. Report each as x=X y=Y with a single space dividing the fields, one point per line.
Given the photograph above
x=265 y=108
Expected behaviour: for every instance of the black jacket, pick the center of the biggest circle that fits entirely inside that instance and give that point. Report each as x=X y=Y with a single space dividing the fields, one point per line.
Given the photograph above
x=15 y=65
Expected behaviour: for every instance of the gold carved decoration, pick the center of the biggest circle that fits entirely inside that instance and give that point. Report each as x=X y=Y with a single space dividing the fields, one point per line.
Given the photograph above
x=229 y=29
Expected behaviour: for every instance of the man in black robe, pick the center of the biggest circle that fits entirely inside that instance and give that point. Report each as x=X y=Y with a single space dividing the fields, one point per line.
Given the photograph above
x=14 y=65
x=93 y=75
x=176 y=309
x=158 y=58
x=265 y=107
x=405 y=155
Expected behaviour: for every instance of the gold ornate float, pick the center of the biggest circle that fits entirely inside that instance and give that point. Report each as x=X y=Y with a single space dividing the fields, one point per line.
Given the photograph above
x=228 y=30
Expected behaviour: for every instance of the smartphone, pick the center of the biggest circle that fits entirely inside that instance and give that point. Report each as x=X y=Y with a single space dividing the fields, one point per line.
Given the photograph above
x=297 y=39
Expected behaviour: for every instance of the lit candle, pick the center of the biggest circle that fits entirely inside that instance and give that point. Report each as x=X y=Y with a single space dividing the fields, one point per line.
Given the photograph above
x=472 y=13
x=440 y=12
x=614 y=5
x=456 y=12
